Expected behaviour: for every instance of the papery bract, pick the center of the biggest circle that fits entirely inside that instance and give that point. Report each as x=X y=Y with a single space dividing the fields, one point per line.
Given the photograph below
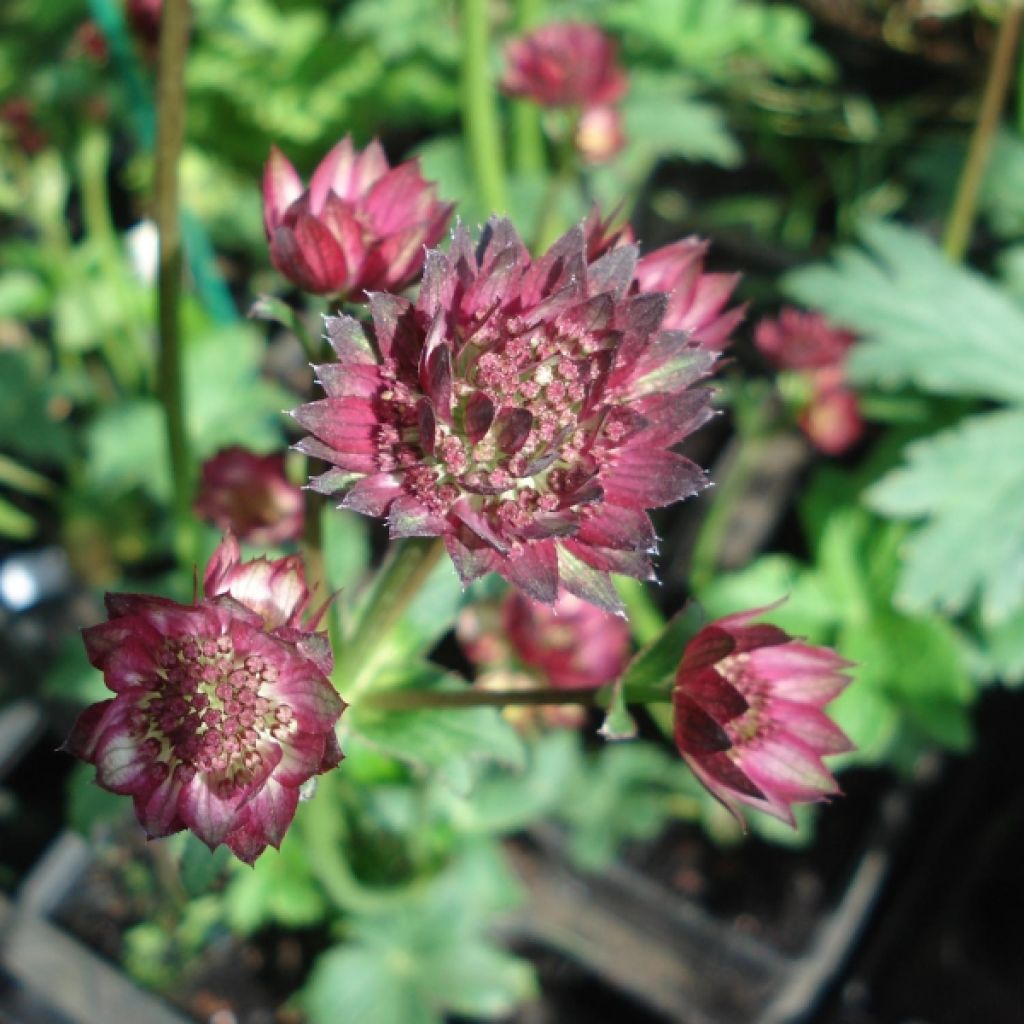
x=697 y=300
x=222 y=708
x=564 y=64
x=250 y=495
x=571 y=644
x=748 y=702
x=359 y=225
x=524 y=410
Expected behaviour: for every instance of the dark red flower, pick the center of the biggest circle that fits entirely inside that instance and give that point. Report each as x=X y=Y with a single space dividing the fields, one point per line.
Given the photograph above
x=222 y=710
x=571 y=644
x=144 y=18
x=566 y=64
x=250 y=495
x=524 y=410
x=18 y=115
x=360 y=225
x=748 y=702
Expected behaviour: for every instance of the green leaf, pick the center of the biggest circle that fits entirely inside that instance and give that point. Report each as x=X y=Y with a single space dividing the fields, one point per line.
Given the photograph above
x=412 y=964
x=661 y=120
x=917 y=664
x=967 y=485
x=14 y=522
x=926 y=322
x=280 y=888
x=658 y=661
x=807 y=611
x=88 y=806
x=452 y=742
x=346 y=548
x=27 y=427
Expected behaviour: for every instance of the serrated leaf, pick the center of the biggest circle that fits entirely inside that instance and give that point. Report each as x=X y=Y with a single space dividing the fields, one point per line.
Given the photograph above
x=925 y=322
x=453 y=742
x=967 y=484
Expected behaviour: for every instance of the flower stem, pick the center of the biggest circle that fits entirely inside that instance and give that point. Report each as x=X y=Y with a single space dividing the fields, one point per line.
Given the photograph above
x=480 y=108
x=959 y=227
x=408 y=700
x=406 y=570
x=174 y=30
x=527 y=135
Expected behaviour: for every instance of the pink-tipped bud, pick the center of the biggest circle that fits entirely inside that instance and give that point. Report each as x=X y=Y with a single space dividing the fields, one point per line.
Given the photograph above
x=360 y=226
x=748 y=703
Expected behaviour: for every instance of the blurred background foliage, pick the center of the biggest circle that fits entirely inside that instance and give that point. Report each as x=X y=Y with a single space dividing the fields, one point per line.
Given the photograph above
x=818 y=144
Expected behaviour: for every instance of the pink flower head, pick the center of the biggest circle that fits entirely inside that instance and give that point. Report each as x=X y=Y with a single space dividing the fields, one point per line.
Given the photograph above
x=748 y=705
x=798 y=340
x=249 y=495
x=696 y=300
x=566 y=64
x=524 y=410
x=809 y=347
x=360 y=225
x=571 y=644
x=222 y=708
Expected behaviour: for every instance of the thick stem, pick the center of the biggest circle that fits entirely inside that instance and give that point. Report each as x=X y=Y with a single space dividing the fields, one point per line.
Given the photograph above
x=480 y=108
x=527 y=134
x=965 y=204
x=408 y=700
x=406 y=570
x=174 y=29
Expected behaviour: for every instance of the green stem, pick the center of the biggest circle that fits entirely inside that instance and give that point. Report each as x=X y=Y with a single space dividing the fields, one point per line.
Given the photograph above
x=645 y=619
x=730 y=487
x=406 y=570
x=174 y=30
x=408 y=700
x=549 y=219
x=960 y=225
x=480 y=107
x=527 y=134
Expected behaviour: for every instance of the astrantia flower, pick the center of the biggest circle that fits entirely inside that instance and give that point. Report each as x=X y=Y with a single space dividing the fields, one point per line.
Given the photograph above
x=222 y=708
x=571 y=644
x=697 y=300
x=360 y=224
x=748 y=702
x=522 y=410
x=566 y=64
x=250 y=495
x=798 y=340
x=812 y=351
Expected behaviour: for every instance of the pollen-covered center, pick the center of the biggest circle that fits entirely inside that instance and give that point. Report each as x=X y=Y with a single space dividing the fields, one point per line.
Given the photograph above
x=209 y=711
x=515 y=420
